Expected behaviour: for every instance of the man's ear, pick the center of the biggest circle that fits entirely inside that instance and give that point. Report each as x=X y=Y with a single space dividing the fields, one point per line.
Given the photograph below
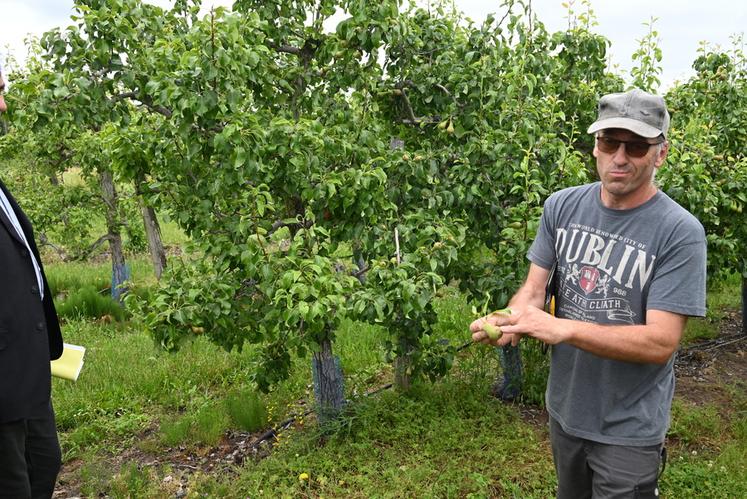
x=662 y=154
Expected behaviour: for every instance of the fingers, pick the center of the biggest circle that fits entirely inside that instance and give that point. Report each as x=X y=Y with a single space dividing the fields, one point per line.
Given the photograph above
x=515 y=338
x=477 y=325
x=498 y=319
x=481 y=336
x=494 y=319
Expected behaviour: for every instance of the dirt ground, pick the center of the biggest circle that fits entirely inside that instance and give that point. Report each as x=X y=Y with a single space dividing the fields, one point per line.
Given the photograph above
x=703 y=371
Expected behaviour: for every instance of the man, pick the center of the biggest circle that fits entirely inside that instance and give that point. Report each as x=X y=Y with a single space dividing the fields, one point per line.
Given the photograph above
x=29 y=338
x=630 y=270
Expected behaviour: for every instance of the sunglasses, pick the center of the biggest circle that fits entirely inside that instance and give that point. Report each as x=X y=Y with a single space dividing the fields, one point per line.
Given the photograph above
x=633 y=148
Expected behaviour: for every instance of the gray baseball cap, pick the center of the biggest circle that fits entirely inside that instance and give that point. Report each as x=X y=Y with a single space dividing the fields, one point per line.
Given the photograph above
x=640 y=112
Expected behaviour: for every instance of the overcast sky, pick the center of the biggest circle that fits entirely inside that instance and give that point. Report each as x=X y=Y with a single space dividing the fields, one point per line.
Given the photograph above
x=681 y=24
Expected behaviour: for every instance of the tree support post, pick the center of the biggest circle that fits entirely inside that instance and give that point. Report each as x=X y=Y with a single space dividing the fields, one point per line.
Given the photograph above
x=120 y=271
x=329 y=386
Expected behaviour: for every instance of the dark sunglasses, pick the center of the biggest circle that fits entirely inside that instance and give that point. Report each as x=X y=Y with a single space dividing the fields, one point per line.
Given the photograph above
x=633 y=148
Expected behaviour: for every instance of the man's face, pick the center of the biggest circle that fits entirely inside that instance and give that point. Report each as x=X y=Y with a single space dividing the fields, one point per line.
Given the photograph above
x=627 y=180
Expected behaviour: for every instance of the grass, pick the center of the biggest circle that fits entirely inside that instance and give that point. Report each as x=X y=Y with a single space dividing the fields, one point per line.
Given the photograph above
x=422 y=445
x=247 y=410
x=722 y=296
x=134 y=404
x=88 y=302
x=202 y=428
x=693 y=424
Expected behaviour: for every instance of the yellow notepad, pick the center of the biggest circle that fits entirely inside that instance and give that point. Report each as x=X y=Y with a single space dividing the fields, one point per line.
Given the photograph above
x=68 y=366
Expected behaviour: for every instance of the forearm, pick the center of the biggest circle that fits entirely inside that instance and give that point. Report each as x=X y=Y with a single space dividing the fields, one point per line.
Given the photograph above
x=649 y=343
x=527 y=295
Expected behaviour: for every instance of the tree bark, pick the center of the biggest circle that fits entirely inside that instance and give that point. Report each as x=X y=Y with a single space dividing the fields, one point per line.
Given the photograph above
x=402 y=378
x=744 y=304
x=153 y=231
x=403 y=368
x=120 y=271
x=329 y=387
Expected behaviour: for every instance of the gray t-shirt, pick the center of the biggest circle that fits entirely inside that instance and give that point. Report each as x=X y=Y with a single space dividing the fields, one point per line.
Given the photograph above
x=613 y=265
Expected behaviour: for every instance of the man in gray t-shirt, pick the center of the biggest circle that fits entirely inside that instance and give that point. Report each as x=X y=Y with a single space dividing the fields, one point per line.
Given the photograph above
x=630 y=268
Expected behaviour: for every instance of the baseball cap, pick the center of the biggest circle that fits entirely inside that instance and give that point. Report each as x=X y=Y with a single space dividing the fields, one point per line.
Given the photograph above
x=640 y=112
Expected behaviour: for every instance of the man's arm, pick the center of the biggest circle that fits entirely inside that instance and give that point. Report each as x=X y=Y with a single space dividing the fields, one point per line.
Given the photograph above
x=651 y=343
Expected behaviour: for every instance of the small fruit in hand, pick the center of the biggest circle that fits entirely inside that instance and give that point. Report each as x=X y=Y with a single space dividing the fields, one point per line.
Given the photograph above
x=493 y=332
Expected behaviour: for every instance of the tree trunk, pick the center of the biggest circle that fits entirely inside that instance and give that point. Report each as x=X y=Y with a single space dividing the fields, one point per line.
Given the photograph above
x=329 y=386
x=120 y=271
x=153 y=230
x=403 y=368
x=402 y=377
x=744 y=304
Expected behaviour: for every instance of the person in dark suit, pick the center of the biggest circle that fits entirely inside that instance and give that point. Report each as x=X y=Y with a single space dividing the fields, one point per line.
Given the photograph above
x=30 y=337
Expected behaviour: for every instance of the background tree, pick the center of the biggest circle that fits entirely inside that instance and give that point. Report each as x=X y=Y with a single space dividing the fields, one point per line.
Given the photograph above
x=708 y=173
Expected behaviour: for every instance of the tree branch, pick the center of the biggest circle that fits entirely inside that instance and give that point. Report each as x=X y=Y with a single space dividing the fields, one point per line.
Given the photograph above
x=45 y=242
x=85 y=253
x=286 y=49
x=408 y=106
x=145 y=100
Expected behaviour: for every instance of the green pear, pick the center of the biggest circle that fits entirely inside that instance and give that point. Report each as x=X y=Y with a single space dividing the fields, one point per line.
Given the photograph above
x=493 y=332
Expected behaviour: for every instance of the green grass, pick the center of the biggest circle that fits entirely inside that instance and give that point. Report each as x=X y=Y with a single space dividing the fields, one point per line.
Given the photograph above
x=695 y=424
x=722 y=296
x=88 y=302
x=247 y=410
x=444 y=440
x=725 y=295
x=447 y=439
x=202 y=428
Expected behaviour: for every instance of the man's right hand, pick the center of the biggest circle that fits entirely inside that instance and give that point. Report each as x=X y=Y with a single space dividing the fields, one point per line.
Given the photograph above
x=479 y=335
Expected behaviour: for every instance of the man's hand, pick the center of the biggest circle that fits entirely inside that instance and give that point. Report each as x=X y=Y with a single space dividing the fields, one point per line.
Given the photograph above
x=537 y=323
x=496 y=319
x=530 y=295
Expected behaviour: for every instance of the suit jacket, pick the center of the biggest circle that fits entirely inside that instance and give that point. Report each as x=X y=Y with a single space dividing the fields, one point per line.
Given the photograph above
x=29 y=330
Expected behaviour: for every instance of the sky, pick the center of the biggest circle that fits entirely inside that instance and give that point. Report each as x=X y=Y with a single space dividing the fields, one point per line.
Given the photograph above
x=681 y=24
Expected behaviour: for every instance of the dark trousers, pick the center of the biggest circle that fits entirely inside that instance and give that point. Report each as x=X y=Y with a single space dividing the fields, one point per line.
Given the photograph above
x=588 y=469
x=30 y=457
